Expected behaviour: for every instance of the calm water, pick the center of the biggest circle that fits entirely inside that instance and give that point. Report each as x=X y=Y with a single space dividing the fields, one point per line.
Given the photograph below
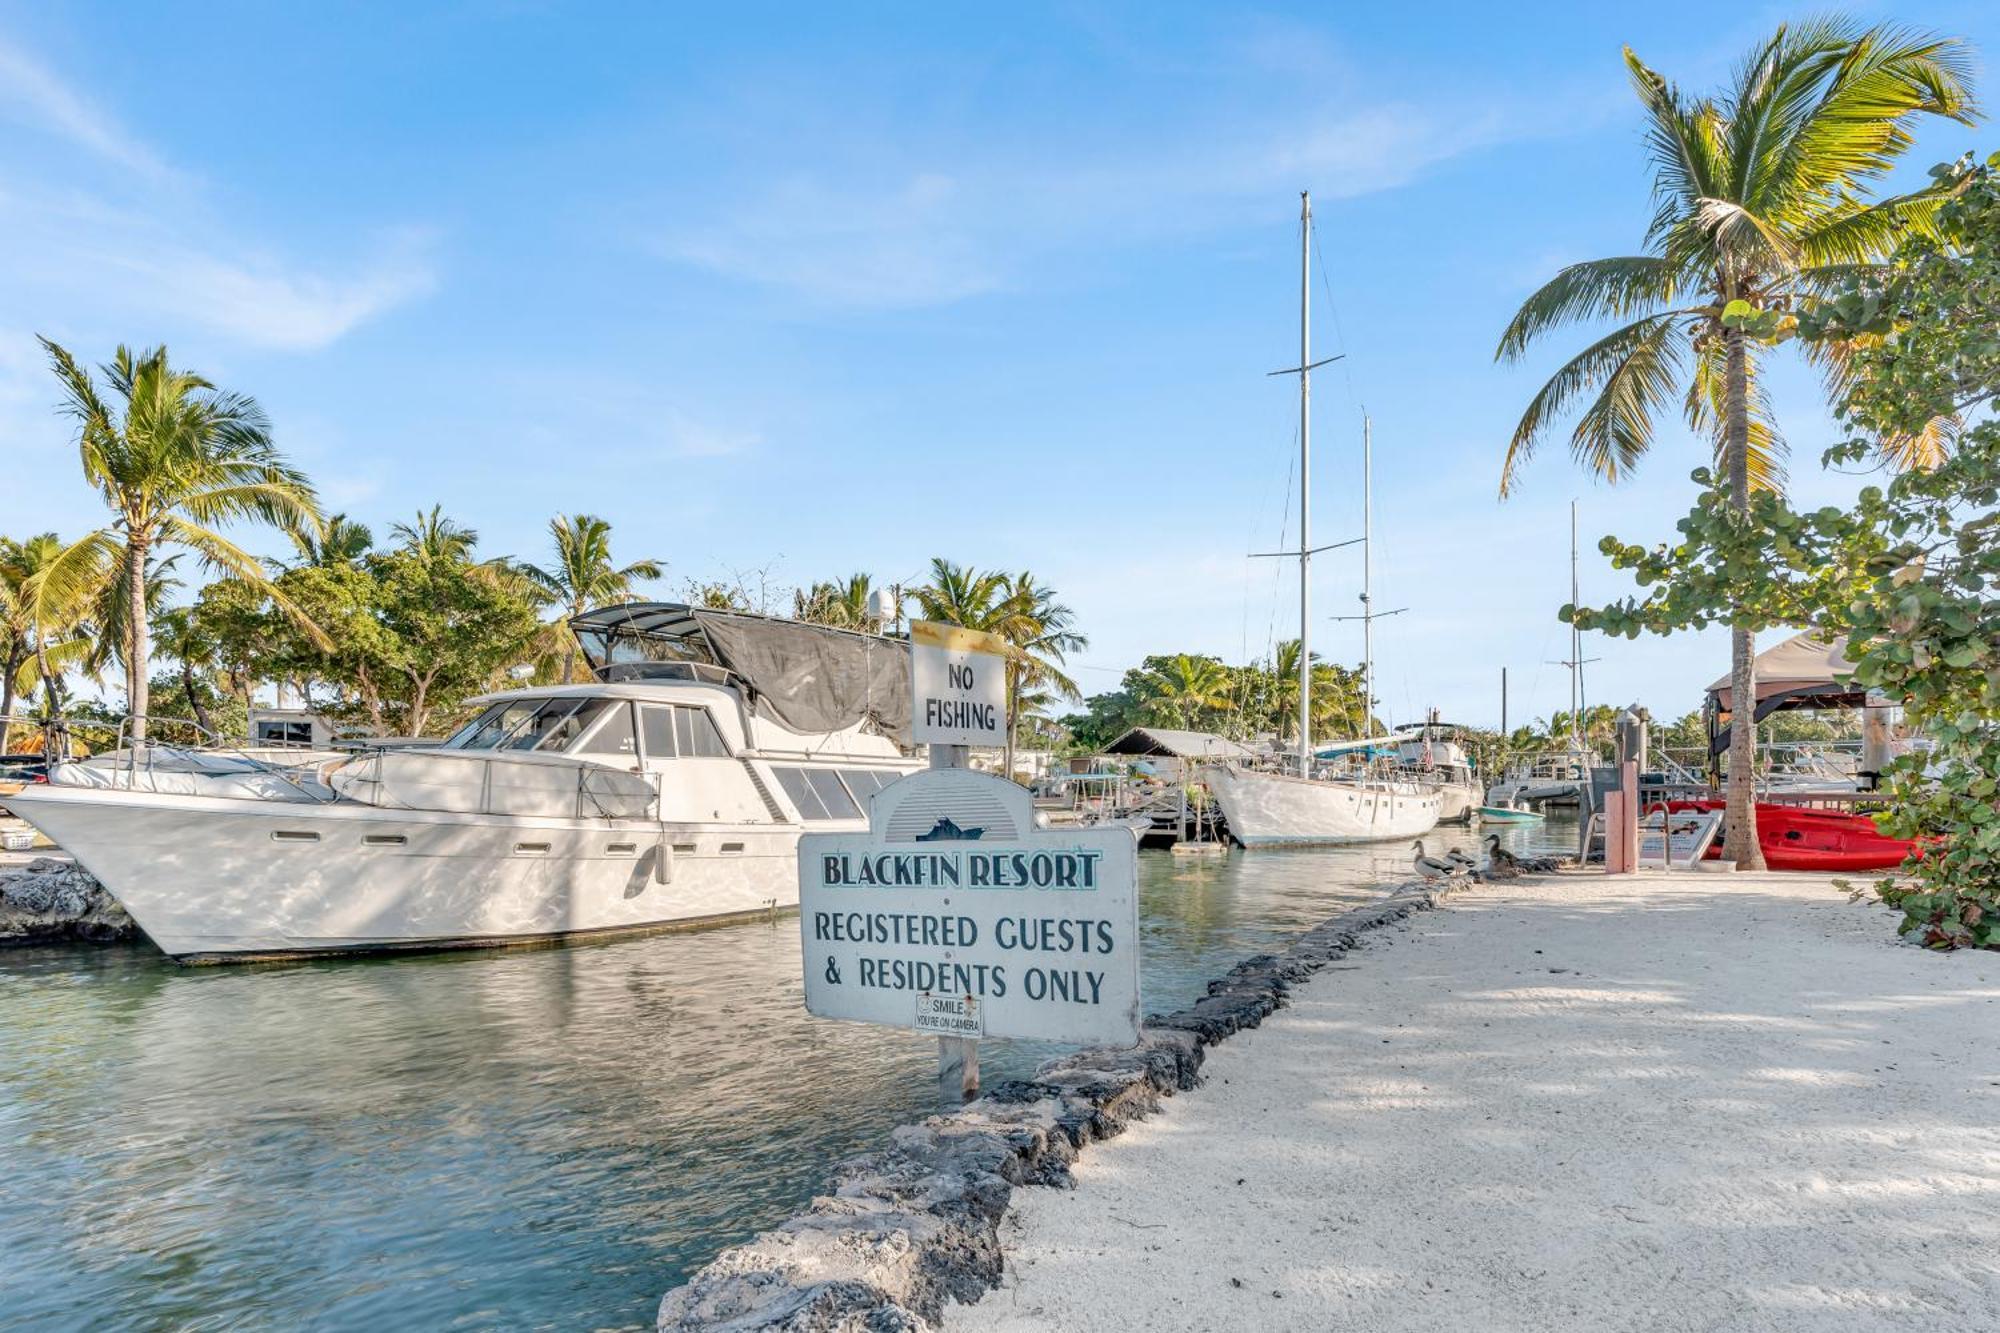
x=527 y=1140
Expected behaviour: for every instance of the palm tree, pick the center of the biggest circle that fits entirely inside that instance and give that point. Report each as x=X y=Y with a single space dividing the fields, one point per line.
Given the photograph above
x=434 y=538
x=583 y=575
x=1760 y=202
x=174 y=458
x=1042 y=633
x=342 y=541
x=842 y=604
x=961 y=595
x=1184 y=687
x=47 y=593
x=180 y=635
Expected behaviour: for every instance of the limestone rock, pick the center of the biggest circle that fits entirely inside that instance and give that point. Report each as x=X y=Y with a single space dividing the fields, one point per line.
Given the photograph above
x=48 y=900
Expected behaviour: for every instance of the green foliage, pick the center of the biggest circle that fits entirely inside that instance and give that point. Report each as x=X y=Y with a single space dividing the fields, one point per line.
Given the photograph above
x=1910 y=573
x=1760 y=202
x=1194 y=692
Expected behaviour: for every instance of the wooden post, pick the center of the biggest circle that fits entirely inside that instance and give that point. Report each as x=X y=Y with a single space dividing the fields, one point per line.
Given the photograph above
x=958 y=1057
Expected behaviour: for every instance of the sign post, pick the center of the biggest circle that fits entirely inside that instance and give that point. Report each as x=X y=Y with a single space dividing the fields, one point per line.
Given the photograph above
x=954 y=914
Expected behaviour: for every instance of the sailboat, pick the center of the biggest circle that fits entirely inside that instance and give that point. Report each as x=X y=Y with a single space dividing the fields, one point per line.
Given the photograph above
x=1270 y=807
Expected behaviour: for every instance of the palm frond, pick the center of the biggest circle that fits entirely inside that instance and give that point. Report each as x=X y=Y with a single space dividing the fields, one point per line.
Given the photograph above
x=1660 y=338
x=1596 y=288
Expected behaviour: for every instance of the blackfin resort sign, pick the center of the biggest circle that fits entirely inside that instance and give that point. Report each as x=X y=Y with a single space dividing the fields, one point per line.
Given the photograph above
x=955 y=915
x=958 y=685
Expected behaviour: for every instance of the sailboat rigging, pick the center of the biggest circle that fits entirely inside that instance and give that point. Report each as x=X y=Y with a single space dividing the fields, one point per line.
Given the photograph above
x=1268 y=807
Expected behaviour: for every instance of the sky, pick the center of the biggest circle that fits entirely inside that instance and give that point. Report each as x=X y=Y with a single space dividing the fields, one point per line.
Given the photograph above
x=786 y=292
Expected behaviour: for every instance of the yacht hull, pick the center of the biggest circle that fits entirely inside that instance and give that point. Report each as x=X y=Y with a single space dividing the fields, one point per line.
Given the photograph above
x=1277 y=809
x=214 y=878
x=1460 y=803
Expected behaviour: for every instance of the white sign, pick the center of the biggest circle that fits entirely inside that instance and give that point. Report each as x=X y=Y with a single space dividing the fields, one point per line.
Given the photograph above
x=953 y=892
x=958 y=680
x=949 y=1015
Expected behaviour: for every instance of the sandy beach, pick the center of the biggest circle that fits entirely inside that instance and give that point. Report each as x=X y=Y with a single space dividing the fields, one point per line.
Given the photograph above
x=1652 y=1102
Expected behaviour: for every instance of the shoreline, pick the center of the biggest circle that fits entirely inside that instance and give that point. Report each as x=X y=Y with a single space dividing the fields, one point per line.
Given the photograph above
x=1579 y=1101
x=903 y=1232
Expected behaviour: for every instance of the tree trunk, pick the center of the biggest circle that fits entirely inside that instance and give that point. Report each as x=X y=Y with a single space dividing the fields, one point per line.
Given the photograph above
x=1013 y=706
x=55 y=743
x=138 y=635
x=13 y=666
x=1740 y=795
x=199 y=713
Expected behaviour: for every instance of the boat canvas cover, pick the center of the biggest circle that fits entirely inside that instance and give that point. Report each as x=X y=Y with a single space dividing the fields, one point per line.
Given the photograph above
x=808 y=678
x=1801 y=664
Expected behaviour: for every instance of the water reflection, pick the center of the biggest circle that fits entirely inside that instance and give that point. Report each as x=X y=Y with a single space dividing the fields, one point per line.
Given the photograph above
x=541 y=1139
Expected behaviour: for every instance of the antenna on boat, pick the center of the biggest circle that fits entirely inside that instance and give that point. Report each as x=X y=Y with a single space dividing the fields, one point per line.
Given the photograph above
x=1307 y=550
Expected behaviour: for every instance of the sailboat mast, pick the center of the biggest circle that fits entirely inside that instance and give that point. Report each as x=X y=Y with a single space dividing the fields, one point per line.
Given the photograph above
x=1575 y=644
x=1367 y=578
x=1305 y=483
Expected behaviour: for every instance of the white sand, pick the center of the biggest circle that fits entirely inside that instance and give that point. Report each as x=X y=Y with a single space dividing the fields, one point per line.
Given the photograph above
x=1691 y=1102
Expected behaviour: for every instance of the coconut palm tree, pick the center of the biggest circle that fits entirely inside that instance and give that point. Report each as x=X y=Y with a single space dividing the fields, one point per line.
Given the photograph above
x=174 y=456
x=842 y=604
x=1761 y=200
x=47 y=593
x=961 y=595
x=1184 y=687
x=435 y=538
x=1043 y=634
x=342 y=541
x=583 y=574
x=180 y=634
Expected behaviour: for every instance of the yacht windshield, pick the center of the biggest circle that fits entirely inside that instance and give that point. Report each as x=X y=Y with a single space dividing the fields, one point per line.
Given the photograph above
x=549 y=725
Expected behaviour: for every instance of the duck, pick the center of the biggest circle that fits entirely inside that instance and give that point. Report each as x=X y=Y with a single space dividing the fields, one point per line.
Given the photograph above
x=1458 y=858
x=1432 y=868
x=1504 y=864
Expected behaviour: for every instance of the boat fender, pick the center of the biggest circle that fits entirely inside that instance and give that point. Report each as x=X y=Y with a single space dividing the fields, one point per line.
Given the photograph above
x=663 y=859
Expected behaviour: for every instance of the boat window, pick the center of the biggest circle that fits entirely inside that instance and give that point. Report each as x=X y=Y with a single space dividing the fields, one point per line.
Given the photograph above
x=826 y=785
x=544 y=726
x=707 y=741
x=865 y=782
x=493 y=726
x=793 y=780
x=614 y=735
x=656 y=730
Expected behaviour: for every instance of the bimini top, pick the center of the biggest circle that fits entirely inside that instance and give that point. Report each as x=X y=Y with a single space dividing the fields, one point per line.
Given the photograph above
x=1167 y=743
x=808 y=678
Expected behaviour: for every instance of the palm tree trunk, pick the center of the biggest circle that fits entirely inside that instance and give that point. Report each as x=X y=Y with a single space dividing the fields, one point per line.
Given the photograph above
x=13 y=665
x=138 y=637
x=1740 y=796
x=1013 y=706
x=199 y=713
x=55 y=744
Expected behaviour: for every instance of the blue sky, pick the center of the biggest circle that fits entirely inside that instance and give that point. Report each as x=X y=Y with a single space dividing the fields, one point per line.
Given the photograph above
x=792 y=291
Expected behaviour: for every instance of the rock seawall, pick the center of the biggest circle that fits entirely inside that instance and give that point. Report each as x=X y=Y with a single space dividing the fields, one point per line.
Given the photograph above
x=902 y=1230
x=50 y=900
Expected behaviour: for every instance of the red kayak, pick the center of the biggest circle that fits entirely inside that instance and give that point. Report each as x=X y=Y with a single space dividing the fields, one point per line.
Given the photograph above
x=1796 y=838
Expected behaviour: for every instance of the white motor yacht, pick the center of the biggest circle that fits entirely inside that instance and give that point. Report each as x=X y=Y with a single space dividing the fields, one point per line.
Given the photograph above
x=672 y=790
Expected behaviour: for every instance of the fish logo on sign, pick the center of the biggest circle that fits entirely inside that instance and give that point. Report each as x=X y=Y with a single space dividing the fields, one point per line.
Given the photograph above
x=947 y=831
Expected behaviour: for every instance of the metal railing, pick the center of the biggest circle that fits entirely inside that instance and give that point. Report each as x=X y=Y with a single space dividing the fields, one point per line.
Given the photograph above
x=143 y=754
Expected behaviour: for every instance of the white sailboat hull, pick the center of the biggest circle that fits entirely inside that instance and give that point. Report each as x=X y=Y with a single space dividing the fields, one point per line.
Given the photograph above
x=1459 y=803
x=216 y=877
x=1278 y=809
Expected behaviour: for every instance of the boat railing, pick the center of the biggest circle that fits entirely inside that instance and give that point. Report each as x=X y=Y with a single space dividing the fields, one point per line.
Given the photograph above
x=137 y=763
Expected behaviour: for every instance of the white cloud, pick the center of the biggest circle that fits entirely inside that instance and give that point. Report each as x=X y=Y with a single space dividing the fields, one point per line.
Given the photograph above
x=917 y=234
x=97 y=249
x=34 y=95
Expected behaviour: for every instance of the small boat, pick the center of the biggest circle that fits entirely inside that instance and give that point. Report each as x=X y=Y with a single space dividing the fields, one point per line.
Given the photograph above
x=1795 y=838
x=1500 y=814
